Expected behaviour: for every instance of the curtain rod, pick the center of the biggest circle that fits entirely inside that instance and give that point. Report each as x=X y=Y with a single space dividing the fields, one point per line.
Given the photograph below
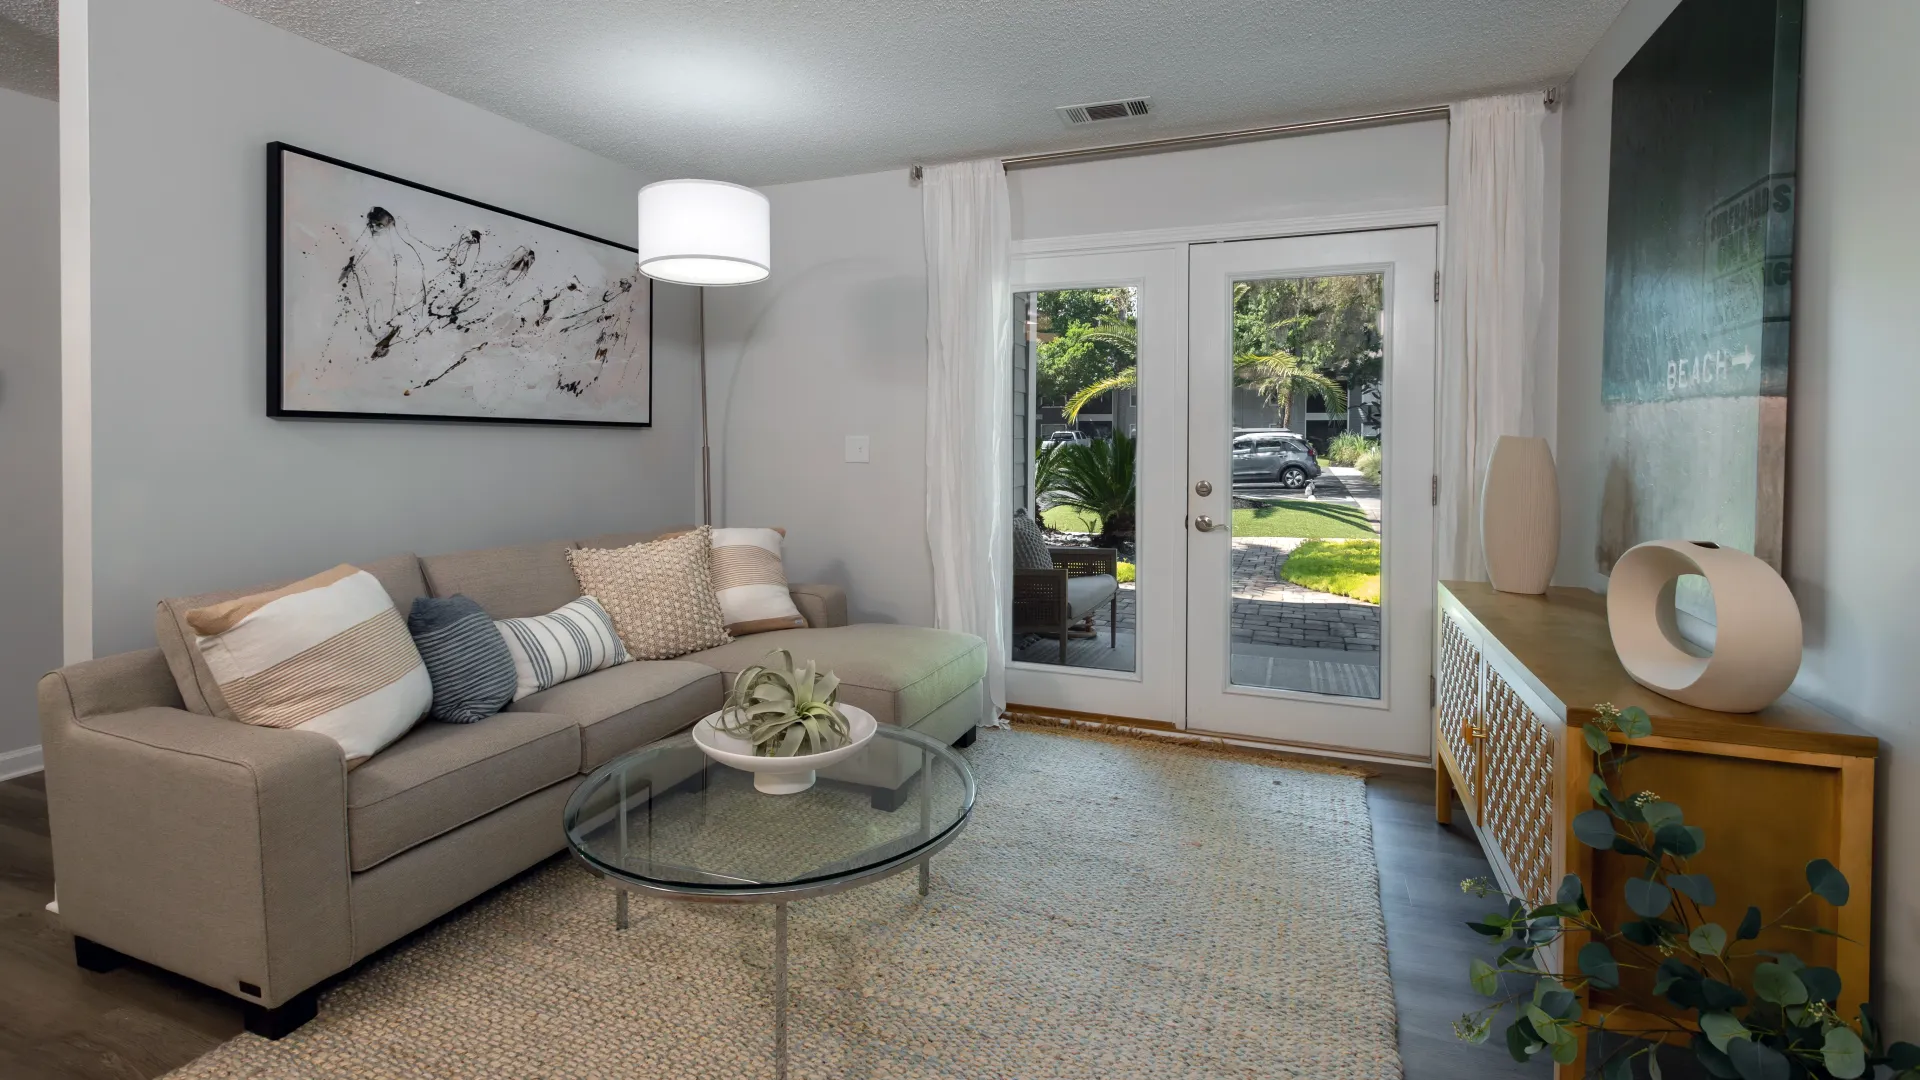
x=1220 y=138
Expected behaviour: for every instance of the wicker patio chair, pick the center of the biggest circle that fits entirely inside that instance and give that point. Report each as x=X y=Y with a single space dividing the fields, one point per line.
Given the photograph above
x=1050 y=602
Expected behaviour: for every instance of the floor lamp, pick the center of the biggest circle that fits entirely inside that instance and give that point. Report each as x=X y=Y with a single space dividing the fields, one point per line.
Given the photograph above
x=701 y=233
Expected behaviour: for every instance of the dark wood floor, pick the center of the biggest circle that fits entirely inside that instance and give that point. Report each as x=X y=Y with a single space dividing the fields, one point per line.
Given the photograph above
x=57 y=1021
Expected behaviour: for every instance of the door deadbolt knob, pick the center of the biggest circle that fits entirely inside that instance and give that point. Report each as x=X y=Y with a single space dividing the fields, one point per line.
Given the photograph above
x=1203 y=489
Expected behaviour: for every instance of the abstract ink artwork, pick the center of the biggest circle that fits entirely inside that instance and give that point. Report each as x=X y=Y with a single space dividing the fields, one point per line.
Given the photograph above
x=1700 y=283
x=391 y=300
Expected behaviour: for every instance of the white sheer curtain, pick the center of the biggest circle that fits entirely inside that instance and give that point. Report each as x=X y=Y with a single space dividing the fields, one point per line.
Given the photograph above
x=970 y=405
x=1494 y=301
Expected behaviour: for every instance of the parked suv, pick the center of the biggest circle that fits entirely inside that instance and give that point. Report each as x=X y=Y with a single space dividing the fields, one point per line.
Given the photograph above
x=1274 y=457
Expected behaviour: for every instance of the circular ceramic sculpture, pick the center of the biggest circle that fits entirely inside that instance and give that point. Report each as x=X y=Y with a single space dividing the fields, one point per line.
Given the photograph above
x=1756 y=650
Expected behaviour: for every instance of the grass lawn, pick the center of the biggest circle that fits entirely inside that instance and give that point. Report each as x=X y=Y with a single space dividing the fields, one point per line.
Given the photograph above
x=1308 y=520
x=1065 y=519
x=1350 y=568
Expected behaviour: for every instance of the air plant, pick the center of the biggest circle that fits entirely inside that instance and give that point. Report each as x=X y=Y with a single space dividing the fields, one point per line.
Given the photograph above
x=784 y=712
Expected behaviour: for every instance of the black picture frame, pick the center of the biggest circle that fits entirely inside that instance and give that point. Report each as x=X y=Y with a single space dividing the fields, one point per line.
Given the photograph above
x=276 y=302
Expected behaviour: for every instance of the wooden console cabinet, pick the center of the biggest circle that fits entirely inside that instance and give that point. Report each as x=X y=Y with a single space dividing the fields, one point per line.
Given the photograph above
x=1516 y=677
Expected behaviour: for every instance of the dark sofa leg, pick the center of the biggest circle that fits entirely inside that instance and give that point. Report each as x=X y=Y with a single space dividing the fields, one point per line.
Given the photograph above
x=966 y=740
x=93 y=956
x=285 y=1020
x=887 y=800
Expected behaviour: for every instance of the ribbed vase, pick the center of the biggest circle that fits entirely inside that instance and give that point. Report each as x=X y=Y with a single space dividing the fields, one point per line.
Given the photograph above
x=1520 y=515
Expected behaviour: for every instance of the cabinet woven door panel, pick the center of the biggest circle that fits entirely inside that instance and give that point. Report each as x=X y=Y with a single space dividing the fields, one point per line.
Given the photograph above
x=1516 y=777
x=1459 y=703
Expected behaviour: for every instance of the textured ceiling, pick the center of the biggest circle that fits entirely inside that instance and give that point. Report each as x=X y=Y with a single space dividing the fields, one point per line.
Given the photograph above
x=761 y=91
x=29 y=58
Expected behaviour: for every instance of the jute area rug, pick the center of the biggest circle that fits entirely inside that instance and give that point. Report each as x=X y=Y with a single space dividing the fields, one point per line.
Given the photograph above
x=1117 y=909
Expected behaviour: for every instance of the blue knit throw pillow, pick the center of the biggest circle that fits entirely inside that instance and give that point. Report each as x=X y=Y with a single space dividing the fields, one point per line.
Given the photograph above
x=466 y=658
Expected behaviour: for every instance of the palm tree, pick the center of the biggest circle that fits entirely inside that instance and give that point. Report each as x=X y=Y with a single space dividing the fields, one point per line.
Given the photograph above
x=1125 y=340
x=1097 y=479
x=1279 y=377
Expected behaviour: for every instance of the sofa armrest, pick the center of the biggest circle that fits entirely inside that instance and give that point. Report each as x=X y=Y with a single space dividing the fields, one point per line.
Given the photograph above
x=823 y=605
x=208 y=847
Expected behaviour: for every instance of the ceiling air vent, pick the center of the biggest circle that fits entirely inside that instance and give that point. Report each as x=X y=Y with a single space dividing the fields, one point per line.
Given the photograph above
x=1103 y=110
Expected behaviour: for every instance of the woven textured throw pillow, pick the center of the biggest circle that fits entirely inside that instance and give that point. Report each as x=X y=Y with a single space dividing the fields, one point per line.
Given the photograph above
x=1029 y=544
x=548 y=650
x=327 y=653
x=467 y=659
x=751 y=582
x=660 y=593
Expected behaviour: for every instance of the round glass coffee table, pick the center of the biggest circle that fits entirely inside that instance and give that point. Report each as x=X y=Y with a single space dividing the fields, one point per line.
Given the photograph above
x=668 y=821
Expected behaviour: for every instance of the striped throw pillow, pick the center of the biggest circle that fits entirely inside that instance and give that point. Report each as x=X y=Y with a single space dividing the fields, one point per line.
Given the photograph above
x=751 y=582
x=468 y=660
x=550 y=649
x=328 y=653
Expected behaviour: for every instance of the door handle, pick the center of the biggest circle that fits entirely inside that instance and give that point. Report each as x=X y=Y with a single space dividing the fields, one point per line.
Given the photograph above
x=1203 y=523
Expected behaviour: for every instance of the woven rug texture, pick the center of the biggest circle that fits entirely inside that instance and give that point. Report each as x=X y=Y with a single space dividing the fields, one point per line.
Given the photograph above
x=1117 y=909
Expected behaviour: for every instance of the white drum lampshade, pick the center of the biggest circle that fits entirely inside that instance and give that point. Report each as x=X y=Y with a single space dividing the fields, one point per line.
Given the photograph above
x=704 y=232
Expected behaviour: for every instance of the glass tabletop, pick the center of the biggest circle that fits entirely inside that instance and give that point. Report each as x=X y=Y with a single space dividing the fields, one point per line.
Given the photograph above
x=669 y=819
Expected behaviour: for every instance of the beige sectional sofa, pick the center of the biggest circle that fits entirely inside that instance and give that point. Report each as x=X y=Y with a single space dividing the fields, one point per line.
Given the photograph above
x=252 y=860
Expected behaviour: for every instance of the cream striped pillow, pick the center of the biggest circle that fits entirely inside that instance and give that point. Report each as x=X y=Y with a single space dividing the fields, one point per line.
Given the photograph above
x=328 y=653
x=751 y=581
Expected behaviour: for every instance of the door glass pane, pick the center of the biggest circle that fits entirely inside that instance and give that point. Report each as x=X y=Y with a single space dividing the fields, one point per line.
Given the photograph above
x=1306 y=457
x=1075 y=424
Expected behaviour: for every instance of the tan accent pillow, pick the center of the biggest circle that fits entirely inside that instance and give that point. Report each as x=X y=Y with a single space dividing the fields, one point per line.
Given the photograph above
x=750 y=579
x=327 y=653
x=660 y=593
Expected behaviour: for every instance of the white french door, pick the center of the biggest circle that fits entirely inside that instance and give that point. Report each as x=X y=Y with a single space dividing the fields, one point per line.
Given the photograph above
x=1214 y=633
x=1310 y=612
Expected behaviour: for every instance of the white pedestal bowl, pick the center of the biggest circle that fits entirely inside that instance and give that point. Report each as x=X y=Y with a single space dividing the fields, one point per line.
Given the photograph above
x=781 y=775
x=1756 y=648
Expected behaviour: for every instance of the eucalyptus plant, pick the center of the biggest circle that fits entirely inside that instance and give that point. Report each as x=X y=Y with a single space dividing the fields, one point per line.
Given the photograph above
x=1743 y=1012
x=785 y=711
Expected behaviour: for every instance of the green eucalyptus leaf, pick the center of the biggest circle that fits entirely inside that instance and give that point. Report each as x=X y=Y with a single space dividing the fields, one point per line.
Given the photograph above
x=1599 y=966
x=1594 y=828
x=1647 y=899
x=1903 y=1057
x=1758 y=1061
x=1712 y=1059
x=1827 y=882
x=1843 y=1053
x=1659 y=813
x=1624 y=846
x=1571 y=892
x=1775 y=984
x=1720 y=1028
x=1721 y=997
x=1682 y=840
x=1596 y=737
x=1822 y=983
x=1485 y=980
x=1653 y=1062
x=1695 y=887
x=1620 y=1068
x=1521 y=1042
x=1635 y=723
x=1492 y=926
x=1749 y=925
x=1708 y=939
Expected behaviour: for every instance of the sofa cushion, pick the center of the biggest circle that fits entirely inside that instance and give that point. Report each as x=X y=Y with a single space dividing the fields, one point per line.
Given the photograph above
x=898 y=673
x=1085 y=594
x=626 y=707
x=510 y=582
x=441 y=776
x=398 y=574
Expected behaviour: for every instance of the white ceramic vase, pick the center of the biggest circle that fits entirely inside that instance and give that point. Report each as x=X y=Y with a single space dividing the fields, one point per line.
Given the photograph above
x=1520 y=515
x=1756 y=648
x=782 y=775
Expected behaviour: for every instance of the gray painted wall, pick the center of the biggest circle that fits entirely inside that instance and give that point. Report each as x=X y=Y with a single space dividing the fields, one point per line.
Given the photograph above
x=1851 y=512
x=193 y=487
x=29 y=414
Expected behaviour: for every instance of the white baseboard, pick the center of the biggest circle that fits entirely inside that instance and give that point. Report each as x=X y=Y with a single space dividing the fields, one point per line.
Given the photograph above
x=19 y=762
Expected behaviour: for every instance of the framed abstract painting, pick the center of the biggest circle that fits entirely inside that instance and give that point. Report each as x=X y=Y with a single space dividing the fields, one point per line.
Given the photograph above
x=391 y=300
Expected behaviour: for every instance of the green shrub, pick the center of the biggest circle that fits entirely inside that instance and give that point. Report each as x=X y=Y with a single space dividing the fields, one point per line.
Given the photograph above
x=1369 y=464
x=1127 y=572
x=1347 y=447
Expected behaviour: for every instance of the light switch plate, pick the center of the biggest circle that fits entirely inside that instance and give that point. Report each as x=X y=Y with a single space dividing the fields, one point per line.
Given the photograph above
x=857 y=448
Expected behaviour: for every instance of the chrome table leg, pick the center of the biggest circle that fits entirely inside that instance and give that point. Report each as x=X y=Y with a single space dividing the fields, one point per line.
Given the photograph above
x=620 y=909
x=780 y=990
x=926 y=816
